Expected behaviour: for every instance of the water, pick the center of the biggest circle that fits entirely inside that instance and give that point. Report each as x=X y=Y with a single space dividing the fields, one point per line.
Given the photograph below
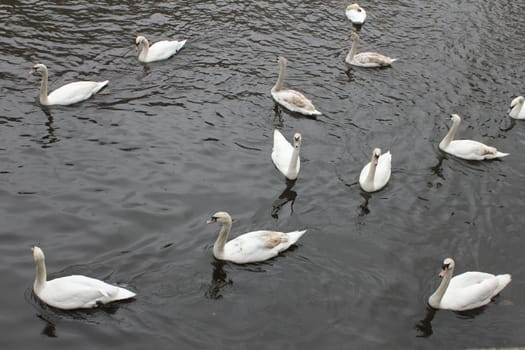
x=120 y=186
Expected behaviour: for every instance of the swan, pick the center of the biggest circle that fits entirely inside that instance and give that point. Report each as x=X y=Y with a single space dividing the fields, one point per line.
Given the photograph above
x=517 y=109
x=69 y=93
x=291 y=99
x=375 y=175
x=366 y=59
x=73 y=292
x=285 y=156
x=467 y=291
x=161 y=50
x=250 y=247
x=355 y=14
x=467 y=149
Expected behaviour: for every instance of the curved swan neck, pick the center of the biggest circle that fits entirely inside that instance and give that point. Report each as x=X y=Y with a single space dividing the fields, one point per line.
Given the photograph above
x=145 y=49
x=371 y=171
x=43 y=87
x=450 y=135
x=294 y=159
x=353 y=50
x=279 y=84
x=40 y=278
x=435 y=299
x=218 y=247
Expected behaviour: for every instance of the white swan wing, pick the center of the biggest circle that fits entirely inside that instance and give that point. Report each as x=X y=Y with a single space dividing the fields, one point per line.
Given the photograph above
x=282 y=153
x=259 y=245
x=472 y=150
x=470 y=290
x=295 y=102
x=75 y=92
x=383 y=171
x=74 y=292
x=164 y=49
x=371 y=59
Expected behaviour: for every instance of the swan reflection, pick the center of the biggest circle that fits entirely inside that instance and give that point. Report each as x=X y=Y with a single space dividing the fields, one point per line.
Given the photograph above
x=286 y=196
x=219 y=280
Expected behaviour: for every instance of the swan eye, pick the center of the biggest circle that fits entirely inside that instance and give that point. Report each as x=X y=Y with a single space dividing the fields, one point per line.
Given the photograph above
x=445 y=266
x=358 y=10
x=213 y=218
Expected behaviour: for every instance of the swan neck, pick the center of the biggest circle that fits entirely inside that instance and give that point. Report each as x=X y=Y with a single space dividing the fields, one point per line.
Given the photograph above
x=515 y=111
x=353 y=50
x=218 y=247
x=294 y=160
x=450 y=135
x=145 y=49
x=40 y=279
x=371 y=172
x=43 y=87
x=279 y=84
x=435 y=299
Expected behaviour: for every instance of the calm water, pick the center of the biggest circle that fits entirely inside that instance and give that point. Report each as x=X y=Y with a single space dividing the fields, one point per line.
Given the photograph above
x=119 y=187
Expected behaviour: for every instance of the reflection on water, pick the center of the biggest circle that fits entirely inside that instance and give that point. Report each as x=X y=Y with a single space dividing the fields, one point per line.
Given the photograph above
x=363 y=207
x=286 y=196
x=219 y=280
x=425 y=325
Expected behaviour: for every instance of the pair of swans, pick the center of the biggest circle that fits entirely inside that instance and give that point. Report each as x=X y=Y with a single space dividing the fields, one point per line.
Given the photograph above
x=467 y=291
x=250 y=247
x=467 y=149
x=73 y=292
x=517 y=108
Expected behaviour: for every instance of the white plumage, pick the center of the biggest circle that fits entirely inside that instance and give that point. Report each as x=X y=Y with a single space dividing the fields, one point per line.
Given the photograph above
x=517 y=108
x=158 y=51
x=366 y=59
x=250 y=247
x=285 y=156
x=67 y=94
x=355 y=14
x=376 y=174
x=73 y=292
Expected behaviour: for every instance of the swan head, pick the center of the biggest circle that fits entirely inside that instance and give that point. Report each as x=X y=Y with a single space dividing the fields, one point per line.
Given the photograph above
x=376 y=155
x=140 y=40
x=282 y=60
x=516 y=101
x=455 y=118
x=38 y=68
x=297 y=140
x=38 y=254
x=448 y=265
x=220 y=217
x=354 y=7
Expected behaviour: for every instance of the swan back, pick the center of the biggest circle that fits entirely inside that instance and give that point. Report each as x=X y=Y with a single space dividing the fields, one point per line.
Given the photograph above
x=285 y=156
x=517 y=109
x=355 y=14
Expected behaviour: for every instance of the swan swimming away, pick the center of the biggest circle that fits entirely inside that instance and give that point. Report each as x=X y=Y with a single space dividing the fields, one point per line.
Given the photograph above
x=285 y=156
x=355 y=14
x=467 y=291
x=366 y=59
x=291 y=99
x=250 y=247
x=517 y=109
x=69 y=93
x=376 y=174
x=160 y=50
x=467 y=149
x=73 y=292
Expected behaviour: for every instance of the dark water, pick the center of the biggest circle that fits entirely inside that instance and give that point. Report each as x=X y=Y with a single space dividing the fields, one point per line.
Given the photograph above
x=119 y=187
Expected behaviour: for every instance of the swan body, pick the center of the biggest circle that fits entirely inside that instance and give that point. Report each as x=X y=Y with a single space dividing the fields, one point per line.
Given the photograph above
x=376 y=174
x=68 y=94
x=355 y=14
x=517 y=108
x=467 y=291
x=250 y=247
x=285 y=156
x=160 y=50
x=291 y=99
x=366 y=59
x=73 y=292
x=467 y=149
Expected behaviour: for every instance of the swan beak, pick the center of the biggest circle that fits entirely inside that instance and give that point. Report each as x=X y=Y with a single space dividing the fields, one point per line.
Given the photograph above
x=442 y=273
x=32 y=71
x=508 y=110
x=211 y=220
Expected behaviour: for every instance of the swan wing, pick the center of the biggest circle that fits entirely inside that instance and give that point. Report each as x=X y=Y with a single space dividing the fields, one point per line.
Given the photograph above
x=164 y=49
x=470 y=290
x=372 y=59
x=472 y=150
x=383 y=171
x=295 y=102
x=75 y=92
x=74 y=292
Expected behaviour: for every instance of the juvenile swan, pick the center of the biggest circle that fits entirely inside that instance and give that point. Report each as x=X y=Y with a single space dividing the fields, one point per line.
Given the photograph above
x=356 y=14
x=517 y=109
x=285 y=156
x=73 y=292
x=160 y=50
x=375 y=175
x=467 y=149
x=250 y=247
x=69 y=93
x=467 y=291
x=291 y=99
x=366 y=59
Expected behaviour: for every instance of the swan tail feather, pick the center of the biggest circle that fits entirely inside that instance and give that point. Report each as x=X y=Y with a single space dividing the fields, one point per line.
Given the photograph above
x=124 y=294
x=295 y=235
x=503 y=281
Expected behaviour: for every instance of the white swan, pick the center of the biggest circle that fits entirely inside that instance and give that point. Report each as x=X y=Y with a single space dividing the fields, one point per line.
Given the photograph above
x=517 y=109
x=160 y=50
x=355 y=14
x=467 y=291
x=291 y=99
x=73 y=292
x=375 y=175
x=285 y=156
x=250 y=247
x=366 y=59
x=69 y=93
x=467 y=149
